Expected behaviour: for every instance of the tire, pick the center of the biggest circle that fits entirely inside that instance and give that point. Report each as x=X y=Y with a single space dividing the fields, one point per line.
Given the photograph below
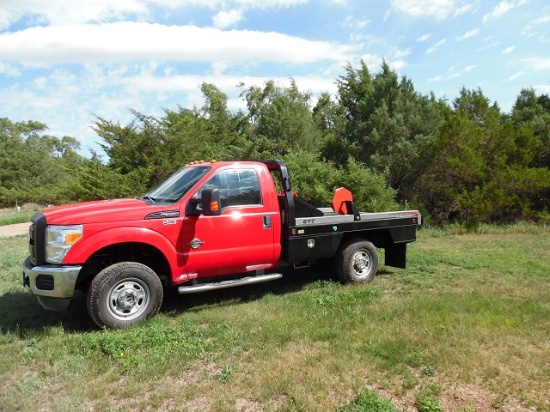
x=356 y=261
x=124 y=294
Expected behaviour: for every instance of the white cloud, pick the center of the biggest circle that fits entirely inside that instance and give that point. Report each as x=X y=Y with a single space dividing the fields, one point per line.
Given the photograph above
x=542 y=88
x=397 y=64
x=452 y=74
x=68 y=12
x=436 y=46
x=424 y=37
x=539 y=63
x=541 y=20
x=61 y=12
x=516 y=76
x=67 y=102
x=353 y=23
x=9 y=70
x=439 y=9
x=468 y=34
x=225 y=19
x=395 y=59
x=126 y=41
x=508 y=50
x=372 y=61
x=400 y=53
x=436 y=79
x=502 y=8
x=531 y=29
x=464 y=9
x=488 y=45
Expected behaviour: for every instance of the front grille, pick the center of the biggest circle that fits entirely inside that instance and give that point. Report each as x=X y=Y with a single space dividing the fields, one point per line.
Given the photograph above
x=44 y=282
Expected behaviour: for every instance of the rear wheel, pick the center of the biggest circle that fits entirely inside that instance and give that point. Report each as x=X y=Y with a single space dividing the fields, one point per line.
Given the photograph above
x=124 y=294
x=357 y=261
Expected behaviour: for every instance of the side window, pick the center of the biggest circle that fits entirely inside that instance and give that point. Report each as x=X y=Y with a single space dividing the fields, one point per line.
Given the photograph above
x=238 y=187
x=243 y=188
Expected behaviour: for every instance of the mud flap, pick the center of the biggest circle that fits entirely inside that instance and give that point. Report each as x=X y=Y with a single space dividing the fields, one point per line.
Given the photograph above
x=396 y=255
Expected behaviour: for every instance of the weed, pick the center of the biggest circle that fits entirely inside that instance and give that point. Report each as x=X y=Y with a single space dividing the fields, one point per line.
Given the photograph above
x=499 y=401
x=428 y=371
x=426 y=400
x=368 y=401
x=465 y=409
x=225 y=374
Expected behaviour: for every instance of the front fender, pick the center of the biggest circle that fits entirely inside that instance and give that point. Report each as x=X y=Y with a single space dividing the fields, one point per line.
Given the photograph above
x=89 y=245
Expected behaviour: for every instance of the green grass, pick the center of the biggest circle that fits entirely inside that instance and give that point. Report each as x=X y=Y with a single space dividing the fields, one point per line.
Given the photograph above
x=466 y=327
x=368 y=401
x=18 y=217
x=12 y=216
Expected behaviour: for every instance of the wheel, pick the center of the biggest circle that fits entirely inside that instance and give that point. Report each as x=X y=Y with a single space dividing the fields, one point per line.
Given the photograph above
x=124 y=294
x=357 y=261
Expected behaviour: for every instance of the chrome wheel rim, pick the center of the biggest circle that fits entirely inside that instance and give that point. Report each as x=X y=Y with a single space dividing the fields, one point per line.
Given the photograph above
x=361 y=264
x=128 y=299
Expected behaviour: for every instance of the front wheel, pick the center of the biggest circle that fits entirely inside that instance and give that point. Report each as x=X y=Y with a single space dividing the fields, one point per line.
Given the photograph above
x=124 y=294
x=357 y=261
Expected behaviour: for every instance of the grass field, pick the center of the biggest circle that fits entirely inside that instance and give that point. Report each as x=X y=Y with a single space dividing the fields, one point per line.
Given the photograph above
x=11 y=216
x=465 y=328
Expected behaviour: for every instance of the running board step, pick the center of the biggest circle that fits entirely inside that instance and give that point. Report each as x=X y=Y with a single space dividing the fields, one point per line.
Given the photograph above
x=205 y=287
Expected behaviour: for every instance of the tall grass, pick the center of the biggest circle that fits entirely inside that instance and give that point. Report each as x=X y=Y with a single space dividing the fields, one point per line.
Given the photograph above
x=12 y=216
x=465 y=327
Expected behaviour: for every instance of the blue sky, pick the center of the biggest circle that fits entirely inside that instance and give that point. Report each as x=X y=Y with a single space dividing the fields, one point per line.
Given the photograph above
x=64 y=61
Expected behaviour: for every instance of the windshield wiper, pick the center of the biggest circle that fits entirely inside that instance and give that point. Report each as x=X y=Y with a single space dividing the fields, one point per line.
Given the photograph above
x=151 y=199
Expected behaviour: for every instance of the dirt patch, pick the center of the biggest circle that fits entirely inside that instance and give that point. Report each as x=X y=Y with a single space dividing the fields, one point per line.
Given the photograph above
x=14 y=230
x=458 y=397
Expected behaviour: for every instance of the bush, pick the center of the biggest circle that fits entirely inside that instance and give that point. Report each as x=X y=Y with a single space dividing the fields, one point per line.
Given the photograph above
x=315 y=181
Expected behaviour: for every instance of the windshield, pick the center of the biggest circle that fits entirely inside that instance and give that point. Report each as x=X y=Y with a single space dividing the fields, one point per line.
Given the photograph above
x=176 y=185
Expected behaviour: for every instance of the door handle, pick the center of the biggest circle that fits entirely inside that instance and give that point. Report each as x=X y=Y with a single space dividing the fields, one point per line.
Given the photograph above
x=195 y=243
x=267 y=222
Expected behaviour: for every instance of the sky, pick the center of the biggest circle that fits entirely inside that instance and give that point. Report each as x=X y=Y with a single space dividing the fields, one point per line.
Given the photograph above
x=64 y=62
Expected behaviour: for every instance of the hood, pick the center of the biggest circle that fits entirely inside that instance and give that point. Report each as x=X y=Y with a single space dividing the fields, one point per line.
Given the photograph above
x=101 y=211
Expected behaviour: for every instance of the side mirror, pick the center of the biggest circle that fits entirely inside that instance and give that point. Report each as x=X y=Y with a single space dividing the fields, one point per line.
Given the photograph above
x=211 y=204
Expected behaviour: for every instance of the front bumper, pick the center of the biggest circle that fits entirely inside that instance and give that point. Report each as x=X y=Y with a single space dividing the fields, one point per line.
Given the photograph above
x=54 y=285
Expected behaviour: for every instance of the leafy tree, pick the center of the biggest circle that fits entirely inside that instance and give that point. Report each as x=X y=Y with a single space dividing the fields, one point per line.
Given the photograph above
x=329 y=116
x=378 y=137
x=389 y=126
x=34 y=167
x=533 y=113
x=98 y=181
x=482 y=168
x=281 y=120
x=315 y=181
x=150 y=148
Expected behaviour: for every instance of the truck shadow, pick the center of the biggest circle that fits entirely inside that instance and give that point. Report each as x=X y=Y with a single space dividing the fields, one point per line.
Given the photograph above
x=23 y=315
x=292 y=281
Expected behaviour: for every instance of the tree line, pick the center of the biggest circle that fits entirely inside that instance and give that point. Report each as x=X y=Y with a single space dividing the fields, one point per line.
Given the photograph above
x=391 y=145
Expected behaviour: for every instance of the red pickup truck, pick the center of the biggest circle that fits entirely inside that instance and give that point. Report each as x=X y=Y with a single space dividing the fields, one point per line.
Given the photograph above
x=210 y=225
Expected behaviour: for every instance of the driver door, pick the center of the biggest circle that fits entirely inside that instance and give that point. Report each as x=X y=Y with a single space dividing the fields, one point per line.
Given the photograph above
x=241 y=238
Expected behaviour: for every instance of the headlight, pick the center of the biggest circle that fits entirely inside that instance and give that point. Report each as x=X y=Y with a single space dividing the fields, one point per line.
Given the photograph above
x=59 y=240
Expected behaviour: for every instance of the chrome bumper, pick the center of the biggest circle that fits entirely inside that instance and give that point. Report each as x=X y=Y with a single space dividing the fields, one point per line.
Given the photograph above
x=50 y=283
